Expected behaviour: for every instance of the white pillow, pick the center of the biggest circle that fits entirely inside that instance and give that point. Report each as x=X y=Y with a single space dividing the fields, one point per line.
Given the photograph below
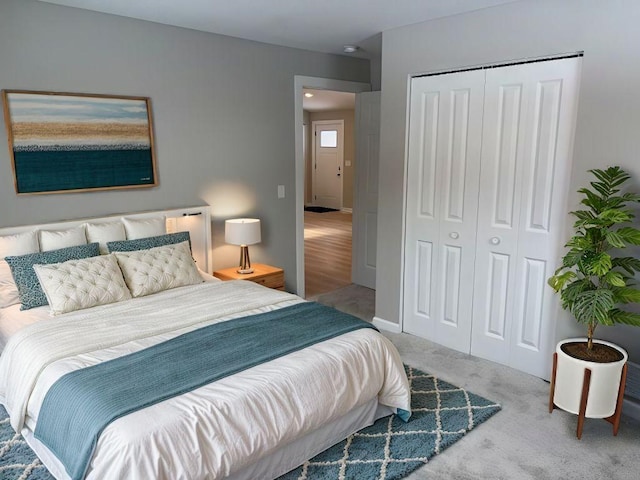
x=79 y=284
x=144 y=227
x=57 y=239
x=18 y=244
x=160 y=268
x=105 y=232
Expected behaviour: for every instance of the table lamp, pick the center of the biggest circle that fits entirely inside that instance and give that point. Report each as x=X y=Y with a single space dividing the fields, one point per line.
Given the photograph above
x=243 y=232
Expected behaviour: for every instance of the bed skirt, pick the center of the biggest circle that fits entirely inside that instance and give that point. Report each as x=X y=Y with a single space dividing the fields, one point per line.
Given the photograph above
x=279 y=462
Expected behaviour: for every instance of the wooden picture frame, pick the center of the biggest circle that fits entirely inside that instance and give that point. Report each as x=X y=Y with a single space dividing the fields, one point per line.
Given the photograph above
x=76 y=142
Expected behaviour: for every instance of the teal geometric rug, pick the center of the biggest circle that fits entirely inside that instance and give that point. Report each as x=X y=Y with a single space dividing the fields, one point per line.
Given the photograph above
x=390 y=449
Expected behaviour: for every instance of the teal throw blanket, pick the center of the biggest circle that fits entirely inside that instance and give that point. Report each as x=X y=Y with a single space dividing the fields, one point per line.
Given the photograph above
x=80 y=405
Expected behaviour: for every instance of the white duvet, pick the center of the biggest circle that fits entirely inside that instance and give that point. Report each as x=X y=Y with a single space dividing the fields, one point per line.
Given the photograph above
x=214 y=430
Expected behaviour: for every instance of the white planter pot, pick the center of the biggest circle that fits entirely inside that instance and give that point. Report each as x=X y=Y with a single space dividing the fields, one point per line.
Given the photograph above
x=604 y=386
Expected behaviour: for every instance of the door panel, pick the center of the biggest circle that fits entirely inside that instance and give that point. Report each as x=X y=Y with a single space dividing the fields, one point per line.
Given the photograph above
x=365 y=198
x=442 y=192
x=526 y=152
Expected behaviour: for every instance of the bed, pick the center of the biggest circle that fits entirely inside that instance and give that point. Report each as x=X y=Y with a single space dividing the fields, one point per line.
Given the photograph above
x=260 y=422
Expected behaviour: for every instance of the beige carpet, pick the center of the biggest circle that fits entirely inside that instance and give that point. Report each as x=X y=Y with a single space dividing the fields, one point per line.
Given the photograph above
x=523 y=441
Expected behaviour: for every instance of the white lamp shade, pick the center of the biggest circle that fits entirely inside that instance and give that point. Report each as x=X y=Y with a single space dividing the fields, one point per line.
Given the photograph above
x=242 y=231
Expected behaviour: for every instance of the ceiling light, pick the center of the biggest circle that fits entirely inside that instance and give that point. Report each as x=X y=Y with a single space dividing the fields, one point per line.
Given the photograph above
x=308 y=94
x=350 y=48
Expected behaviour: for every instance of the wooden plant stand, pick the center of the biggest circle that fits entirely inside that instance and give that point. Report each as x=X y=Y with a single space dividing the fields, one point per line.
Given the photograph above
x=613 y=419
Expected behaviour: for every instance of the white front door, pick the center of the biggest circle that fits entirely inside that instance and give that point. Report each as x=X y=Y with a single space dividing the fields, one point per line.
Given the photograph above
x=328 y=169
x=365 y=198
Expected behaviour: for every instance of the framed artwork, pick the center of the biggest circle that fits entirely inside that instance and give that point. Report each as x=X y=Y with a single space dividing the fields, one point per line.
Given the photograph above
x=71 y=142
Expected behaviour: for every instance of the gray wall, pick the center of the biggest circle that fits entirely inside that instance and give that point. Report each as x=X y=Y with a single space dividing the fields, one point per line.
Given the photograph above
x=608 y=125
x=223 y=111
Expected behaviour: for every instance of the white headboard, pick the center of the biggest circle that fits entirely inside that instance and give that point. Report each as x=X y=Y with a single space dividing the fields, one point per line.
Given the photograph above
x=195 y=220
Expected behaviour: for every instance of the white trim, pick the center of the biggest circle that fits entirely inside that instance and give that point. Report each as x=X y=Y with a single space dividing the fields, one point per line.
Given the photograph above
x=346 y=210
x=383 y=324
x=300 y=82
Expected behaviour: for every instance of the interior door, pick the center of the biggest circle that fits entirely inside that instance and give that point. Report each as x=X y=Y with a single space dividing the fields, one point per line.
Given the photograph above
x=365 y=198
x=328 y=157
x=529 y=115
x=445 y=129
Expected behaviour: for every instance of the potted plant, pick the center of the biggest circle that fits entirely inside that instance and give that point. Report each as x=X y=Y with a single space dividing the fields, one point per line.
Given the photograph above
x=595 y=279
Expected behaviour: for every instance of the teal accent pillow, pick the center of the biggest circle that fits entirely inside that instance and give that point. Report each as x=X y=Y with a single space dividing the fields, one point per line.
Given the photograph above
x=29 y=289
x=149 y=242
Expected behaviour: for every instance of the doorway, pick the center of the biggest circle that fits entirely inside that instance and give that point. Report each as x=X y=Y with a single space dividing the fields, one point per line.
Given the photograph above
x=328 y=226
x=300 y=84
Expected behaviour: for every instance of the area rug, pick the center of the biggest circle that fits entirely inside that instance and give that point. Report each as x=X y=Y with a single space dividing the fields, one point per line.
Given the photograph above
x=320 y=209
x=390 y=449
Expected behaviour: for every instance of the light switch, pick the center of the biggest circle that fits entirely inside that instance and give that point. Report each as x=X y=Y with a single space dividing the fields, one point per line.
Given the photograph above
x=280 y=191
x=347 y=163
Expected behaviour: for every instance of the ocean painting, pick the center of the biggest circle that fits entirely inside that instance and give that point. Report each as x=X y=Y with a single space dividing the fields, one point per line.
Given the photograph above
x=62 y=142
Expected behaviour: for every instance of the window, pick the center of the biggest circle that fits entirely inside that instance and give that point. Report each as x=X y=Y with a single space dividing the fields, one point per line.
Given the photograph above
x=328 y=138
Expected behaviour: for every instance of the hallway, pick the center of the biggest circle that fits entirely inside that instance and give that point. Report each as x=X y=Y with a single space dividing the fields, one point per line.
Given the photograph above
x=327 y=252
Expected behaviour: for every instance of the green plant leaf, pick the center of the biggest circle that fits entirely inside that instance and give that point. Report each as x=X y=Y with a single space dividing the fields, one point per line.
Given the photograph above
x=583 y=214
x=572 y=290
x=572 y=258
x=614 y=239
x=601 y=187
x=557 y=282
x=599 y=264
x=630 y=197
x=629 y=235
x=593 y=306
x=626 y=295
x=629 y=264
x=615 y=216
x=615 y=279
x=628 y=318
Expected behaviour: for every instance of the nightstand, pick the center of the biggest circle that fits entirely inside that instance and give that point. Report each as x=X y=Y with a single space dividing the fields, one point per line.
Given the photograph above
x=272 y=277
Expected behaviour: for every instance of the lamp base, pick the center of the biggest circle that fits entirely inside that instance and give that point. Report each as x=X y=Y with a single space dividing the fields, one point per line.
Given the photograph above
x=245 y=263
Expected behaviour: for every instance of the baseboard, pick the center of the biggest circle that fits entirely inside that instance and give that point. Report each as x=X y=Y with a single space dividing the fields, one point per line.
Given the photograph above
x=631 y=409
x=346 y=210
x=383 y=324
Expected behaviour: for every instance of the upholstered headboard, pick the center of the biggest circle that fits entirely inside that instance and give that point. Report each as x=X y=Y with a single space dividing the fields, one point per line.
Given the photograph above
x=195 y=220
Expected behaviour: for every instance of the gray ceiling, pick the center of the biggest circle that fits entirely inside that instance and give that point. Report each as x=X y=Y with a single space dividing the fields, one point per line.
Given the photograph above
x=323 y=26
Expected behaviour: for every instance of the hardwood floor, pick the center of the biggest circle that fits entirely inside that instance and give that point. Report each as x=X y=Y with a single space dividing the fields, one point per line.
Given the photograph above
x=327 y=251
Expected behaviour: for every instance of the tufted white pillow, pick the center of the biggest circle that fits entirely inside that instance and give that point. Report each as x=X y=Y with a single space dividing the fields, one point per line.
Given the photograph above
x=144 y=227
x=57 y=239
x=18 y=244
x=105 y=232
x=78 y=284
x=156 y=269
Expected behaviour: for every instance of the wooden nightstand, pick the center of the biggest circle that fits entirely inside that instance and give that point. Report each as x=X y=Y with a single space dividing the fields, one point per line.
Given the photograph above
x=272 y=277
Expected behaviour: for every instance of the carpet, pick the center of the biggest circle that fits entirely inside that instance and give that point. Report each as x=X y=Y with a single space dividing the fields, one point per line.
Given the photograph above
x=387 y=450
x=320 y=209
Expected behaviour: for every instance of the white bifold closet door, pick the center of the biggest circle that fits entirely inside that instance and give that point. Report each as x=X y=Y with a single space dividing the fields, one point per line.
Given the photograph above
x=489 y=162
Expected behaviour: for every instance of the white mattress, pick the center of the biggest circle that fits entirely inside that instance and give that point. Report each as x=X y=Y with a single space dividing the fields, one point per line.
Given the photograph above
x=224 y=428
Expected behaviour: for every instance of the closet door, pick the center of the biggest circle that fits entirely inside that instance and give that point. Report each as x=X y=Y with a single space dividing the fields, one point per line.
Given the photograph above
x=445 y=129
x=529 y=116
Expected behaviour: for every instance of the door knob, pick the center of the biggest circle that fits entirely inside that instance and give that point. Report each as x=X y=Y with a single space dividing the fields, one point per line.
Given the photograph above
x=495 y=240
x=454 y=235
